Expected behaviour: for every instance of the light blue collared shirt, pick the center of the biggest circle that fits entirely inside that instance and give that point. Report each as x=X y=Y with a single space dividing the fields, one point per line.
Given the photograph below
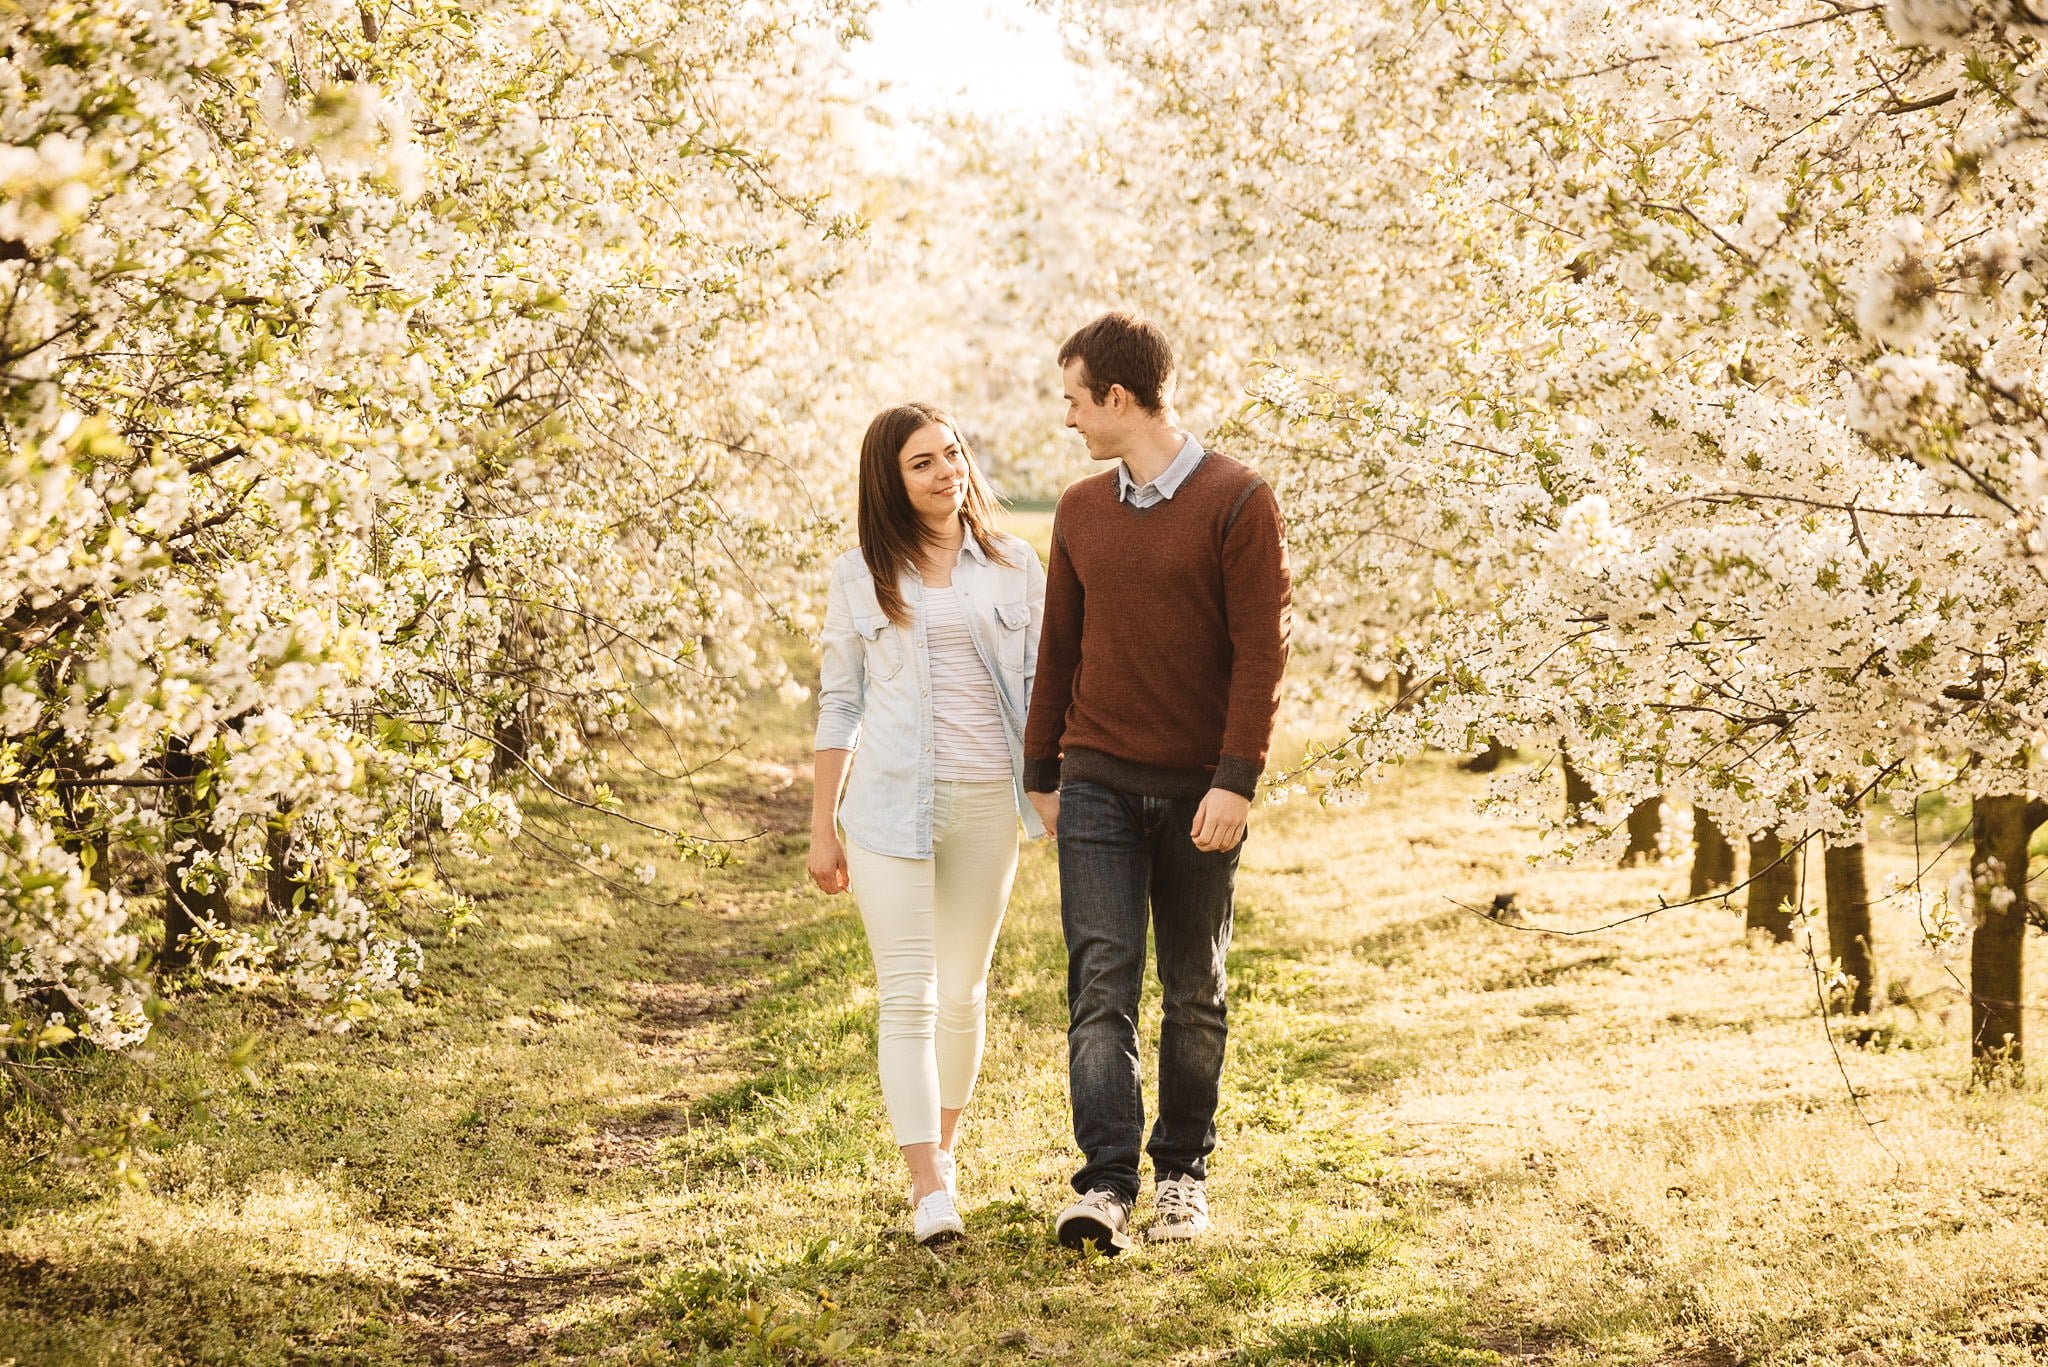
x=874 y=688
x=1168 y=481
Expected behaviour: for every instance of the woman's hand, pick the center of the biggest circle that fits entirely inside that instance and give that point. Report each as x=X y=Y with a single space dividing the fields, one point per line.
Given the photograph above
x=1048 y=807
x=828 y=863
x=828 y=856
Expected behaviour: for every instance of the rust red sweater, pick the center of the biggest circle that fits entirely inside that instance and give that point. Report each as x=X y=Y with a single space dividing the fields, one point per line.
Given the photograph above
x=1164 y=640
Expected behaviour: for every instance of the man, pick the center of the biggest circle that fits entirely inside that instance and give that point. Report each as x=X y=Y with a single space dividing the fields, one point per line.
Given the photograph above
x=1166 y=620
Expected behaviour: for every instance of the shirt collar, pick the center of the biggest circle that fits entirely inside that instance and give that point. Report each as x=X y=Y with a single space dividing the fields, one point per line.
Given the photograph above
x=972 y=546
x=1167 y=483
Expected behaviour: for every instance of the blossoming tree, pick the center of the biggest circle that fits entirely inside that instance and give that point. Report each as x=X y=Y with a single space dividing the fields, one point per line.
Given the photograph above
x=1700 y=345
x=384 y=401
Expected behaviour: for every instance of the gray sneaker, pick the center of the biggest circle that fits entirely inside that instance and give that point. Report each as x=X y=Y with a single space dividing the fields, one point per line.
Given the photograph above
x=1100 y=1220
x=1181 y=1210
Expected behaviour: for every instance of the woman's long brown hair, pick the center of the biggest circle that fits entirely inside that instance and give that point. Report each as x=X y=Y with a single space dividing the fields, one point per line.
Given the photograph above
x=892 y=536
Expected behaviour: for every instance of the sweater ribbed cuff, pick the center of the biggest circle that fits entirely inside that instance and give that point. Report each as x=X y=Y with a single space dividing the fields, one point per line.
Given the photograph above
x=1237 y=775
x=1042 y=775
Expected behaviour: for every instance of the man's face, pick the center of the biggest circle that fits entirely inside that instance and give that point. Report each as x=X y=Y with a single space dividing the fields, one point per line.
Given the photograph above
x=1098 y=423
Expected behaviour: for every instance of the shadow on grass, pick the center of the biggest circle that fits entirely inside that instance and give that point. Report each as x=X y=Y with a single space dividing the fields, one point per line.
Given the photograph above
x=1397 y=943
x=191 y=1303
x=1396 y=1341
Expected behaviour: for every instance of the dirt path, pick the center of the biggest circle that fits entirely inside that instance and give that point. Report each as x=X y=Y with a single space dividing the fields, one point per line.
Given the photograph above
x=677 y=1030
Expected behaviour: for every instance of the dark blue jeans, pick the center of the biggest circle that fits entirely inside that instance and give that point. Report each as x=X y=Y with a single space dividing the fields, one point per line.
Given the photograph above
x=1123 y=858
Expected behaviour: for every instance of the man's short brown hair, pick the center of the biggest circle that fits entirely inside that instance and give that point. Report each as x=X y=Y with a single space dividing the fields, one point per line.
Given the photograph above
x=1122 y=348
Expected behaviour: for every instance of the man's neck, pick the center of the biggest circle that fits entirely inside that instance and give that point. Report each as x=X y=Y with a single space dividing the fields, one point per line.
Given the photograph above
x=1152 y=450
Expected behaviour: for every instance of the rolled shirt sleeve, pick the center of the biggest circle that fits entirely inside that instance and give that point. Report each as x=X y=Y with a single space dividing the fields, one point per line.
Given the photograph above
x=842 y=674
x=1034 y=597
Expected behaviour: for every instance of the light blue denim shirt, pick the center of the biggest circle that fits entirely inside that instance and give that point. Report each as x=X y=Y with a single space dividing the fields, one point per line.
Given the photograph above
x=1167 y=482
x=875 y=688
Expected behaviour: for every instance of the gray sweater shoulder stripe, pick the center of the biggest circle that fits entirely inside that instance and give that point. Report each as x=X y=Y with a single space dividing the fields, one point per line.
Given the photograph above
x=1243 y=497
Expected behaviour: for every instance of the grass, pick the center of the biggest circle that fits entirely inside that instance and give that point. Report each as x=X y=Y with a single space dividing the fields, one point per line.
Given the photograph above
x=645 y=1129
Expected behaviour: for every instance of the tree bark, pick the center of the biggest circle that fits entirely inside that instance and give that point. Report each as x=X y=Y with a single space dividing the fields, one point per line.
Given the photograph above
x=1645 y=824
x=2000 y=827
x=1773 y=887
x=1713 y=858
x=187 y=908
x=1849 y=937
x=1578 y=794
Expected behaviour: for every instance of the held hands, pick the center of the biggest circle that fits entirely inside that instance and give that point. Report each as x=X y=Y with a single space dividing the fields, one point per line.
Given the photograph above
x=828 y=863
x=1220 y=820
x=1048 y=807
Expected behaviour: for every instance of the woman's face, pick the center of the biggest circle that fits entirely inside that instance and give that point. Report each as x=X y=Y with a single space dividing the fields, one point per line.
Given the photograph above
x=934 y=466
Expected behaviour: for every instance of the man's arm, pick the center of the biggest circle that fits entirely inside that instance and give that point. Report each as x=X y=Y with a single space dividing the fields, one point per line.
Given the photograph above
x=1256 y=606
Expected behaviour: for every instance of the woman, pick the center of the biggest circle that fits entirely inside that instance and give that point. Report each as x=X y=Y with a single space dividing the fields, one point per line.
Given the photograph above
x=931 y=635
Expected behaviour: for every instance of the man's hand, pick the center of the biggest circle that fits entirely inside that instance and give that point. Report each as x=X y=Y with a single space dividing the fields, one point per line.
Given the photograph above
x=1048 y=806
x=1220 y=820
x=828 y=863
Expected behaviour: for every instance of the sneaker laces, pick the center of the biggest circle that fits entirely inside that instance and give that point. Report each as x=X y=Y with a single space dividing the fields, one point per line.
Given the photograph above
x=1102 y=1199
x=1176 y=1199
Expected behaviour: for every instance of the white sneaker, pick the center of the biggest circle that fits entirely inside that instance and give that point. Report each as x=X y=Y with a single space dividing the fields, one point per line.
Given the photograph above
x=1181 y=1210
x=937 y=1219
x=1100 y=1218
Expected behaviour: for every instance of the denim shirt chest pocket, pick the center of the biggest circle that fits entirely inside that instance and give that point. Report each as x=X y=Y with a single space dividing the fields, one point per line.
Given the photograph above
x=882 y=646
x=1012 y=619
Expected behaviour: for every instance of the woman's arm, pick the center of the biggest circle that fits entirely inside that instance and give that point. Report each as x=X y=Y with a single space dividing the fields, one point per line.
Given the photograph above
x=828 y=856
x=1034 y=596
x=842 y=685
x=842 y=675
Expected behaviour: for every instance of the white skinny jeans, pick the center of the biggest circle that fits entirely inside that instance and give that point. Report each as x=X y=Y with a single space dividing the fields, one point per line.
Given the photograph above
x=932 y=927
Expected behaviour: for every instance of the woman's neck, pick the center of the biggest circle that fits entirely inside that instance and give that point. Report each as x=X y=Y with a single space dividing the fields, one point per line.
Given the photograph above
x=941 y=552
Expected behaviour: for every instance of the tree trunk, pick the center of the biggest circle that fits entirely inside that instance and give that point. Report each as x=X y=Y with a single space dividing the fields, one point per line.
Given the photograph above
x=1999 y=829
x=85 y=836
x=508 y=753
x=1487 y=760
x=1404 y=691
x=1849 y=938
x=187 y=908
x=1645 y=824
x=285 y=877
x=1713 y=858
x=1578 y=794
x=1773 y=886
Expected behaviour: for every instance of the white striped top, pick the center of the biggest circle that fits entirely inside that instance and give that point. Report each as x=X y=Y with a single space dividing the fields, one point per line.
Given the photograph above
x=968 y=741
